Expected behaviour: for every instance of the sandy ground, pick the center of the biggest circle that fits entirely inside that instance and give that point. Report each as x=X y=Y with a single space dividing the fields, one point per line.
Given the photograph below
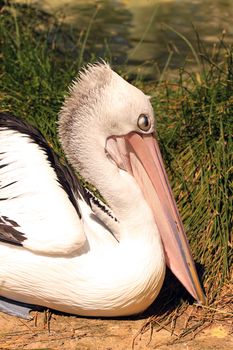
x=73 y=333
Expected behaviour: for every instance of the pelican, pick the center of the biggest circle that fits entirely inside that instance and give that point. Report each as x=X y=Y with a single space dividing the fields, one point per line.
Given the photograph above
x=61 y=246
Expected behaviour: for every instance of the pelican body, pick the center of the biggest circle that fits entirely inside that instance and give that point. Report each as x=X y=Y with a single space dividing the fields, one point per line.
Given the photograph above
x=62 y=247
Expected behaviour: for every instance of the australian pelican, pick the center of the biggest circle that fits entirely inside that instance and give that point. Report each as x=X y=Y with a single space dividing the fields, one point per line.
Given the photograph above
x=63 y=248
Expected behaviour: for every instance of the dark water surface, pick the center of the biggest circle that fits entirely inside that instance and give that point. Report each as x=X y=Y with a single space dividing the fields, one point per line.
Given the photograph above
x=142 y=33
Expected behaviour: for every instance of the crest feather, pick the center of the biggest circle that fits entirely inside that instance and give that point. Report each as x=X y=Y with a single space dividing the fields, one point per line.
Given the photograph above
x=83 y=94
x=90 y=78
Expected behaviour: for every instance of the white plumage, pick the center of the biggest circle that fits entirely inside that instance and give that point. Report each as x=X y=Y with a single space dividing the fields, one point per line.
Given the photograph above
x=61 y=247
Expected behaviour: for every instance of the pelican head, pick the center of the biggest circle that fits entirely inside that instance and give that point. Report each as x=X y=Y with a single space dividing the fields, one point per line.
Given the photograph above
x=106 y=126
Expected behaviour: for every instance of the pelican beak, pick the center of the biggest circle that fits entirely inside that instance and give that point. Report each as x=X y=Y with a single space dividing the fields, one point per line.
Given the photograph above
x=140 y=155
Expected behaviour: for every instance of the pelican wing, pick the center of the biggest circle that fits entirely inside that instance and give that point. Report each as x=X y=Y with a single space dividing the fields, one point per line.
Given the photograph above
x=9 y=231
x=38 y=195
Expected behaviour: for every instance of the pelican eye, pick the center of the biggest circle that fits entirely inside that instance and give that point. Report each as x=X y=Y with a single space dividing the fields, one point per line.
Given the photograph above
x=144 y=122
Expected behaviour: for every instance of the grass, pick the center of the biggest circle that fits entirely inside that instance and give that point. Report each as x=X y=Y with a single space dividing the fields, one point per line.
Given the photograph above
x=202 y=163
x=195 y=123
x=34 y=75
x=195 y=126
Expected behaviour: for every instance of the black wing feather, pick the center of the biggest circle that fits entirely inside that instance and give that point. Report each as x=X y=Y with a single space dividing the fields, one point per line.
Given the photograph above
x=9 y=232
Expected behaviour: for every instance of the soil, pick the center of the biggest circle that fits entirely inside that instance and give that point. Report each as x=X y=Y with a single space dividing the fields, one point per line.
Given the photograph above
x=74 y=333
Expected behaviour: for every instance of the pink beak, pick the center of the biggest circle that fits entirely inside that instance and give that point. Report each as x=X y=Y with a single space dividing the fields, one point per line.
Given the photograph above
x=140 y=155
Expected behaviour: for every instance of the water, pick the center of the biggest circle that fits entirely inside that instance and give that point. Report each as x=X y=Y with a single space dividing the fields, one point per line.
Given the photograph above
x=139 y=33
